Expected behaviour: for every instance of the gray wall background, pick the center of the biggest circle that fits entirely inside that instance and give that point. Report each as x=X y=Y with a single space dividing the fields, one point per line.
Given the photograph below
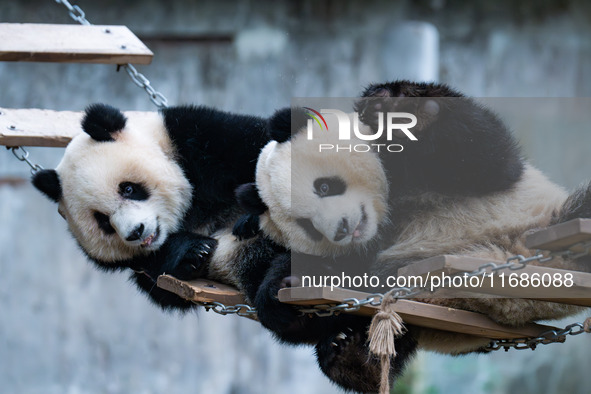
x=67 y=328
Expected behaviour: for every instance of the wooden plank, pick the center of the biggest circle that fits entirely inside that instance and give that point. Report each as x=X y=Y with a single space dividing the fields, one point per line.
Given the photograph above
x=577 y=294
x=561 y=236
x=201 y=290
x=30 y=42
x=40 y=127
x=417 y=313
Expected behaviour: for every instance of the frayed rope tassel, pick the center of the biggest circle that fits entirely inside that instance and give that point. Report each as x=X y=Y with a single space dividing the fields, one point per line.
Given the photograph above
x=385 y=326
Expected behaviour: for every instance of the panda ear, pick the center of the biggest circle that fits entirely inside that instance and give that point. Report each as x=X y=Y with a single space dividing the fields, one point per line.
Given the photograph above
x=101 y=122
x=284 y=121
x=48 y=182
x=249 y=199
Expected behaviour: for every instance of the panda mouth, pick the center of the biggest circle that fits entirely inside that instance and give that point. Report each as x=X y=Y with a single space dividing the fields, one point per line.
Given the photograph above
x=360 y=229
x=150 y=239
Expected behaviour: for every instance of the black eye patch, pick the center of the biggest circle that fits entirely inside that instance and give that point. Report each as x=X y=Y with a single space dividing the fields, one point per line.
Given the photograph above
x=331 y=186
x=103 y=222
x=133 y=191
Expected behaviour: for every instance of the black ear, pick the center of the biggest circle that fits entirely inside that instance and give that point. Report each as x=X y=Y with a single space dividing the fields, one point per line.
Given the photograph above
x=48 y=182
x=249 y=199
x=101 y=121
x=284 y=121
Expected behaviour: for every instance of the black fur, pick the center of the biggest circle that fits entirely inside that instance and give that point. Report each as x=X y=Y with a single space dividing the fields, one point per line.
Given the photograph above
x=577 y=205
x=184 y=255
x=344 y=357
x=463 y=149
x=218 y=152
x=286 y=120
x=48 y=182
x=248 y=198
x=247 y=226
x=101 y=121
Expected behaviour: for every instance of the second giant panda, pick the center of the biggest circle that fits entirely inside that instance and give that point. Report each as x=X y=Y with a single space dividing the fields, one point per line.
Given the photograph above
x=462 y=189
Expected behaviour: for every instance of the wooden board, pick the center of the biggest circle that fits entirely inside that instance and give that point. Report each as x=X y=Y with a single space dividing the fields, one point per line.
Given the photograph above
x=417 y=313
x=201 y=290
x=40 y=127
x=561 y=236
x=29 y=42
x=577 y=294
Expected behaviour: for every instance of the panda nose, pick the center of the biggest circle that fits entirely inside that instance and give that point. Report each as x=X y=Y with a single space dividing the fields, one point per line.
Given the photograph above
x=342 y=230
x=136 y=233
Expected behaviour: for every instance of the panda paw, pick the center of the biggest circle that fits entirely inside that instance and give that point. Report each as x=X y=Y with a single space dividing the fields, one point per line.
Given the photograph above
x=345 y=359
x=246 y=227
x=188 y=256
x=381 y=99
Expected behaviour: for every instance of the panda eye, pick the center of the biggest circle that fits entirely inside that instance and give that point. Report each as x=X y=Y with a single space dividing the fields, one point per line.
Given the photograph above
x=133 y=191
x=103 y=222
x=331 y=186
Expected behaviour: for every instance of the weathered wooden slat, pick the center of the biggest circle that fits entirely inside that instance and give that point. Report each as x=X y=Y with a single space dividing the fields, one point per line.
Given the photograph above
x=412 y=312
x=29 y=42
x=579 y=293
x=561 y=236
x=417 y=313
x=201 y=290
x=41 y=127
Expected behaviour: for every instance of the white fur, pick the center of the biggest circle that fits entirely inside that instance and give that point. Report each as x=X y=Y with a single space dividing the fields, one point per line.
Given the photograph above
x=90 y=173
x=491 y=227
x=299 y=162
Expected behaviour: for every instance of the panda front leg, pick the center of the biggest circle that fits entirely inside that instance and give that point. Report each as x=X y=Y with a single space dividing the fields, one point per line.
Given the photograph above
x=285 y=321
x=185 y=256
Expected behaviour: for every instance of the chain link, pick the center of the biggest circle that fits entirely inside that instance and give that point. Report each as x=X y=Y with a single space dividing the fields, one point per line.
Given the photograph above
x=23 y=155
x=76 y=12
x=138 y=78
x=545 y=338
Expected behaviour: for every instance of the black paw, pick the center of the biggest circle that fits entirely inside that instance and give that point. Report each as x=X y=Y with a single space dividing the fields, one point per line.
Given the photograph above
x=187 y=256
x=246 y=227
x=345 y=358
x=286 y=322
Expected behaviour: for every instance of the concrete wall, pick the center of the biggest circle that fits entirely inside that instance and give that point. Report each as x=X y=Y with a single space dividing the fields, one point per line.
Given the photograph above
x=67 y=328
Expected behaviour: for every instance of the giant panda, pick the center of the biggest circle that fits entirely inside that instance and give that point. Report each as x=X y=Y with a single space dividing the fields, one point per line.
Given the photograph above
x=462 y=189
x=330 y=217
x=328 y=210
x=145 y=193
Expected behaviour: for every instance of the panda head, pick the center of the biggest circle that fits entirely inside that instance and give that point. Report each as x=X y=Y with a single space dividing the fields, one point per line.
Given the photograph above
x=318 y=202
x=118 y=185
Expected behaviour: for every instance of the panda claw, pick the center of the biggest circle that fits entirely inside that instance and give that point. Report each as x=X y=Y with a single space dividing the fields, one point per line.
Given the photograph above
x=342 y=335
x=333 y=344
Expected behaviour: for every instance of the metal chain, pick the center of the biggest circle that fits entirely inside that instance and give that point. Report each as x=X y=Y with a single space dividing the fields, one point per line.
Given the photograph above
x=513 y=263
x=138 y=78
x=545 y=338
x=76 y=12
x=23 y=155
x=219 y=308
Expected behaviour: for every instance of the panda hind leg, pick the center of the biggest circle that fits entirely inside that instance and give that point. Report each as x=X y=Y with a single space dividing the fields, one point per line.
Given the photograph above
x=345 y=359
